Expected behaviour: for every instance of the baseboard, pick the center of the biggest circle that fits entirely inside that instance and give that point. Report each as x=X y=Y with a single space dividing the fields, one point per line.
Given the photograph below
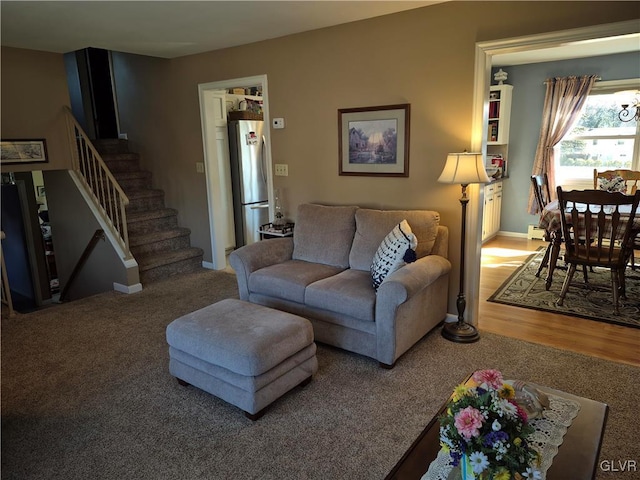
x=512 y=234
x=208 y=265
x=451 y=318
x=128 y=289
x=535 y=233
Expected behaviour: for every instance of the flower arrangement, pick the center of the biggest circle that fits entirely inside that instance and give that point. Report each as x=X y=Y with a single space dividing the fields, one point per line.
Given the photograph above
x=486 y=432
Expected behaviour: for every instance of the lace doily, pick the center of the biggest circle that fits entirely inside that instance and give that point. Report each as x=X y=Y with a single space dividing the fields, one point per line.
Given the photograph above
x=547 y=438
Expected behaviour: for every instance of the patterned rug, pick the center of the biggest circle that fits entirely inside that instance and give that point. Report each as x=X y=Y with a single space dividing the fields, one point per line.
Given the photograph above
x=594 y=302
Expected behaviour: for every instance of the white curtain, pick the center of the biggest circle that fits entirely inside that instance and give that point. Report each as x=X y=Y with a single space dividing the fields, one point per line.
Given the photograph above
x=563 y=103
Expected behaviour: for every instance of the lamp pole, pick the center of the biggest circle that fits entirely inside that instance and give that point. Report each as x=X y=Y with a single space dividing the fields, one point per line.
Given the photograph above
x=461 y=331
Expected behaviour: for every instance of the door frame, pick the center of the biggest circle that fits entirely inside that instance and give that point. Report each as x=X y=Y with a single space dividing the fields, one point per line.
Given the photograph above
x=482 y=79
x=215 y=202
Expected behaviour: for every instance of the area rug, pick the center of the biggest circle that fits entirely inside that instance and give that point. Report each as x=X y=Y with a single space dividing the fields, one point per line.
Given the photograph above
x=593 y=301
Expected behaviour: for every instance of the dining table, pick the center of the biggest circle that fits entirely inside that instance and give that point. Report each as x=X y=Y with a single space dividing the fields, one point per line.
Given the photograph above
x=551 y=222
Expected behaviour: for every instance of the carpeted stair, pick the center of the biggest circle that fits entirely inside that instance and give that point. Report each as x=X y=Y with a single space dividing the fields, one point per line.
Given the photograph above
x=158 y=244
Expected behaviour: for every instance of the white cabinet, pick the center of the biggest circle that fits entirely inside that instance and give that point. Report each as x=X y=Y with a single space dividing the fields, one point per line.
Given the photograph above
x=492 y=210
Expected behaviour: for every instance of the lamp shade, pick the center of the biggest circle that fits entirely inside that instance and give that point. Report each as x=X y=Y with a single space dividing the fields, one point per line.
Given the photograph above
x=464 y=168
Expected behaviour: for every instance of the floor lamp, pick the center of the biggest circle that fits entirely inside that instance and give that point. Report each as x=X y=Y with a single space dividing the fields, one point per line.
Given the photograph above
x=463 y=168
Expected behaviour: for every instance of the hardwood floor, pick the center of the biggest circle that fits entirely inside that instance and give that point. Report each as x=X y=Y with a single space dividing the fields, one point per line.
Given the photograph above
x=500 y=257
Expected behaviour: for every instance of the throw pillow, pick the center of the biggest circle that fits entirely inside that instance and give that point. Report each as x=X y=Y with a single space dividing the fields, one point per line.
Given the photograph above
x=397 y=248
x=324 y=234
x=613 y=184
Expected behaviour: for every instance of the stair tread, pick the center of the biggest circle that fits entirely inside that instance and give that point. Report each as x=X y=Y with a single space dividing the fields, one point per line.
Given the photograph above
x=150 y=214
x=157 y=259
x=127 y=175
x=137 y=193
x=142 y=239
x=110 y=157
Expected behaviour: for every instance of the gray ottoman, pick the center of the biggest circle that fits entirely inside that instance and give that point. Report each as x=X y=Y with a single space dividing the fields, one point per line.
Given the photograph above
x=245 y=354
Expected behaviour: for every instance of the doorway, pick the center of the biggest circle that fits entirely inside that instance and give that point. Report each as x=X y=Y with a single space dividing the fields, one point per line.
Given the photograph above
x=213 y=120
x=91 y=92
x=485 y=51
x=27 y=246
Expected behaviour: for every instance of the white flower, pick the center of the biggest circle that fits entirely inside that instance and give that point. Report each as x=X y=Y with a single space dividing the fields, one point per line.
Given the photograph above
x=479 y=462
x=496 y=426
x=532 y=474
x=509 y=409
x=444 y=436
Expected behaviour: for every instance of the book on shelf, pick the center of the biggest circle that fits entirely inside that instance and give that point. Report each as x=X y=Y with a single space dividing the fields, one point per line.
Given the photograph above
x=494 y=109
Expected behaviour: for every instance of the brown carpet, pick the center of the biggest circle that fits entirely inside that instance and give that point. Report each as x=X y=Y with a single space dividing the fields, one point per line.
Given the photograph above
x=86 y=394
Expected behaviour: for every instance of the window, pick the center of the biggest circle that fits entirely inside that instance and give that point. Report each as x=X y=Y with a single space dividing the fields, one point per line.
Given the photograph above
x=599 y=139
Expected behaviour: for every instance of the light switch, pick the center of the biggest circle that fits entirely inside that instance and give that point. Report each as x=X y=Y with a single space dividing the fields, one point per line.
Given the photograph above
x=199 y=167
x=278 y=123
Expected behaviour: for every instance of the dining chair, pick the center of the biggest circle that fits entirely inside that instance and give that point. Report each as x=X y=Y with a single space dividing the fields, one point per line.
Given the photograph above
x=625 y=181
x=631 y=181
x=542 y=195
x=597 y=228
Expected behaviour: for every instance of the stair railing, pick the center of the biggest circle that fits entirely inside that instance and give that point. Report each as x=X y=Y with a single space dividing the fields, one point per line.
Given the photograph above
x=98 y=179
x=98 y=235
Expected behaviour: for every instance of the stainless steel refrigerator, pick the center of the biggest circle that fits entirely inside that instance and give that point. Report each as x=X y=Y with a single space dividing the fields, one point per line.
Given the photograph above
x=248 y=179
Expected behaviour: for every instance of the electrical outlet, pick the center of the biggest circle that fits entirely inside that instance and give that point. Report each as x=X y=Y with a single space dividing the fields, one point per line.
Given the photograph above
x=199 y=167
x=282 y=169
x=278 y=123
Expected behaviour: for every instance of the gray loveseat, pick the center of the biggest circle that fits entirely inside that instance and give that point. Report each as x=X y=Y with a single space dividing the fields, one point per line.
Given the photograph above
x=323 y=274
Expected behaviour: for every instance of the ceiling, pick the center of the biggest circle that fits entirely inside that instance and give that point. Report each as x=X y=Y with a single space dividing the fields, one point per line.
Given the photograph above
x=170 y=29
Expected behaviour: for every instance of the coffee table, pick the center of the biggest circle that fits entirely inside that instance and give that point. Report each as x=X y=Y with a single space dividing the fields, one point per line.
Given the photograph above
x=577 y=457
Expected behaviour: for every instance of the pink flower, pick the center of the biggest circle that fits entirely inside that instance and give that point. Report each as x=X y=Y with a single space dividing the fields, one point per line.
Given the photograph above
x=492 y=378
x=468 y=422
x=521 y=411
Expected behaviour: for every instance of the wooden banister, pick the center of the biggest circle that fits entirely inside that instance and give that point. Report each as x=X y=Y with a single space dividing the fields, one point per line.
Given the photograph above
x=99 y=181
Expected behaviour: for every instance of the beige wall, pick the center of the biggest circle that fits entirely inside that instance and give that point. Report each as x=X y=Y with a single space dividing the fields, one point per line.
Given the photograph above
x=424 y=57
x=34 y=91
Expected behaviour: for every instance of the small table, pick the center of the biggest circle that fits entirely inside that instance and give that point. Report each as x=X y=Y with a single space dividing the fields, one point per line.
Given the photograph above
x=269 y=230
x=577 y=457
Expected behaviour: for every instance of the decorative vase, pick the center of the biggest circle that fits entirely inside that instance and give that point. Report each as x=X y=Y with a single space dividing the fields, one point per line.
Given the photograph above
x=463 y=471
x=278 y=219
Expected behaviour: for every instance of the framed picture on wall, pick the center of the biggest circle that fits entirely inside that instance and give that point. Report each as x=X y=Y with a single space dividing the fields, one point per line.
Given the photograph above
x=23 y=151
x=374 y=140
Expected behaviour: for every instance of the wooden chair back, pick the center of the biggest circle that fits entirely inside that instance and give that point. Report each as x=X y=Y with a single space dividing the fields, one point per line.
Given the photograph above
x=631 y=178
x=541 y=191
x=595 y=232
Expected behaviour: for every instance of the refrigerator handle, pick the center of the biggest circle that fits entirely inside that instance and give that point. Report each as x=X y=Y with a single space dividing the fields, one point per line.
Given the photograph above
x=264 y=162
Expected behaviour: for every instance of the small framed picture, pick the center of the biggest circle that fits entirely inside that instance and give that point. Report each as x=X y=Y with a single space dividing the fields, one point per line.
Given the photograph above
x=23 y=151
x=374 y=141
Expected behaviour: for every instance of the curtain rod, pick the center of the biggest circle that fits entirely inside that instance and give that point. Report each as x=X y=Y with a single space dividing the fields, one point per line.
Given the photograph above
x=547 y=80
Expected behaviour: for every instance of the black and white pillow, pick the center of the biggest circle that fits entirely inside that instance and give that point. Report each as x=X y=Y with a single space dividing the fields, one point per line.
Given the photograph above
x=612 y=184
x=397 y=248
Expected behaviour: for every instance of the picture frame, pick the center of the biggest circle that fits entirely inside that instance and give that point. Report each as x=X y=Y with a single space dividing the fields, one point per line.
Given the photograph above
x=14 y=152
x=374 y=141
